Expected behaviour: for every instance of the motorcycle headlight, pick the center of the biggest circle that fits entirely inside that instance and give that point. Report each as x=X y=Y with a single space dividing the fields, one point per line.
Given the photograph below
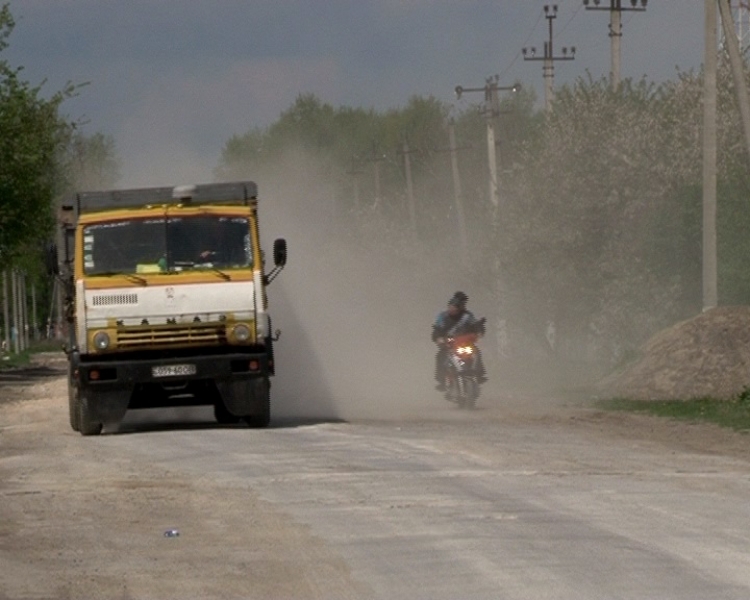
x=101 y=340
x=465 y=350
x=241 y=332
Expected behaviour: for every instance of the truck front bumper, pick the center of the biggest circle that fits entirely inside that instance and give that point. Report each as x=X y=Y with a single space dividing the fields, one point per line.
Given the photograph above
x=114 y=385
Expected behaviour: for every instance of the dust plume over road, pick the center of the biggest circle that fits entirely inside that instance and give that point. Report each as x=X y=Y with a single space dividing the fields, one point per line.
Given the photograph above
x=355 y=318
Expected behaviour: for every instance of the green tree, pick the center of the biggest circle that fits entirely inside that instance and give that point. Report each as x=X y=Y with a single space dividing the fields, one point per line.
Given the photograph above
x=31 y=135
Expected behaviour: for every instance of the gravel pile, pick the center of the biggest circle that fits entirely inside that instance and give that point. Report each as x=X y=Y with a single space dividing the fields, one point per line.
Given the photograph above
x=706 y=356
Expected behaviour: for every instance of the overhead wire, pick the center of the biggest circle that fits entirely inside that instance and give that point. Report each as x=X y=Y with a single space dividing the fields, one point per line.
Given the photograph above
x=523 y=45
x=570 y=19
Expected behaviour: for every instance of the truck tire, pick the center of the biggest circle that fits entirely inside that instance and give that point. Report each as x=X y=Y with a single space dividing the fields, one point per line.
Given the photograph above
x=73 y=406
x=86 y=425
x=222 y=415
x=263 y=418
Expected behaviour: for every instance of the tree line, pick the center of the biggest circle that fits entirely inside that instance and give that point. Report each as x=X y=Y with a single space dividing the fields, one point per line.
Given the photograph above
x=43 y=155
x=597 y=236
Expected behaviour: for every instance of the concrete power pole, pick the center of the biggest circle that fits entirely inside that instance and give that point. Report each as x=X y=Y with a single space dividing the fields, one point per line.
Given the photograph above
x=458 y=194
x=710 y=287
x=24 y=305
x=738 y=72
x=6 y=311
x=491 y=108
x=355 y=172
x=16 y=311
x=615 y=9
x=491 y=111
x=410 y=187
x=376 y=159
x=549 y=58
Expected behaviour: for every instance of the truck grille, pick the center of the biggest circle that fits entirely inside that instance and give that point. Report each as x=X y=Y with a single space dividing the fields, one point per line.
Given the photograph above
x=166 y=336
x=114 y=299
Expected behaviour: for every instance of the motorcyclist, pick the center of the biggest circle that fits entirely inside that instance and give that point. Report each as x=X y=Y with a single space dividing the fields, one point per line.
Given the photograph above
x=456 y=320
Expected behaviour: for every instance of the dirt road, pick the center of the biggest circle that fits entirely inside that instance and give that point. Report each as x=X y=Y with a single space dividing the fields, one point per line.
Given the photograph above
x=502 y=503
x=81 y=520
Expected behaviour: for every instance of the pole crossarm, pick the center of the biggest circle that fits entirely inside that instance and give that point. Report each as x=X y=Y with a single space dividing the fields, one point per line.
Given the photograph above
x=549 y=57
x=550 y=13
x=616 y=5
x=490 y=90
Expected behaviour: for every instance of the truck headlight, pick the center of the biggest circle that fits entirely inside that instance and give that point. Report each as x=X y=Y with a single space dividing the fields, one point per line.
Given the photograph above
x=241 y=332
x=101 y=340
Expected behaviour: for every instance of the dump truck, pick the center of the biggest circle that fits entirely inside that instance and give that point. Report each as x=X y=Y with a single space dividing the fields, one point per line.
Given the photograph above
x=165 y=300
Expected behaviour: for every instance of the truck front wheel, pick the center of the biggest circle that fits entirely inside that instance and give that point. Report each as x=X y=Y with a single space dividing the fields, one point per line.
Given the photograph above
x=222 y=415
x=86 y=424
x=73 y=405
x=263 y=417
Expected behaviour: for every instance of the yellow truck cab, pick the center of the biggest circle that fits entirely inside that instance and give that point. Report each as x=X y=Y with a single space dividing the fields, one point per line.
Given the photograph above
x=166 y=303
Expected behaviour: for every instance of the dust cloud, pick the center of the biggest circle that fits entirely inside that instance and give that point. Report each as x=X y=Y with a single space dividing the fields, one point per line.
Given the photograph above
x=355 y=318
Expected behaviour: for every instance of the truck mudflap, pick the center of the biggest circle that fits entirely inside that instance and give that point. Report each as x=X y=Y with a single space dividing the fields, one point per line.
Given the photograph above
x=107 y=407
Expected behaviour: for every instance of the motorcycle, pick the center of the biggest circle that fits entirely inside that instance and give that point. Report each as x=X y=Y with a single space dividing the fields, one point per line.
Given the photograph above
x=461 y=378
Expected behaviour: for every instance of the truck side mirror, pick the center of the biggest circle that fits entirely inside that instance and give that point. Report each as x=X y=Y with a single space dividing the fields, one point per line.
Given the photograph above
x=50 y=259
x=70 y=243
x=279 y=252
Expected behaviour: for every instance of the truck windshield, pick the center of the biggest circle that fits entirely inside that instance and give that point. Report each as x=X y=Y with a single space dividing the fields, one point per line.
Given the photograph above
x=165 y=245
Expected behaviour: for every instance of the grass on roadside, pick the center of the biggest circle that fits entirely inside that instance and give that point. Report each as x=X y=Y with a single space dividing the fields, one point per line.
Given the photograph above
x=9 y=360
x=733 y=413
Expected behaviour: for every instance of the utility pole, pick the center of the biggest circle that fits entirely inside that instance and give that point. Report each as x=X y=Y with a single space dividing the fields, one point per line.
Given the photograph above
x=549 y=58
x=376 y=160
x=355 y=172
x=34 y=324
x=710 y=287
x=16 y=312
x=458 y=194
x=491 y=111
x=741 y=21
x=24 y=311
x=616 y=9
x=6 y=311
x=409 y=187
x=732 y=46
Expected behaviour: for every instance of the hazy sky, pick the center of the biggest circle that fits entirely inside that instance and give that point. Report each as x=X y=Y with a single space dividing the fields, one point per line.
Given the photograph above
x=173 y=81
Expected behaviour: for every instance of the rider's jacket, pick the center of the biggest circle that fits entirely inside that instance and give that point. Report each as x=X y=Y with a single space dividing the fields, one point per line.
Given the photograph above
x=449 y=326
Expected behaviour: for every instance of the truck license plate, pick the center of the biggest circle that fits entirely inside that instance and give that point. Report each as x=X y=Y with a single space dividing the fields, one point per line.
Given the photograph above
x=173 y=370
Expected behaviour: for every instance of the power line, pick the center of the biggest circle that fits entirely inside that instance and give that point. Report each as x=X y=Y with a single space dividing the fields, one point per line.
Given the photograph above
x=518 y=54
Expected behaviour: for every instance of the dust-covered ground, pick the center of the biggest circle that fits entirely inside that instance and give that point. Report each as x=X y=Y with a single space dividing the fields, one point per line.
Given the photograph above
x=81 y=524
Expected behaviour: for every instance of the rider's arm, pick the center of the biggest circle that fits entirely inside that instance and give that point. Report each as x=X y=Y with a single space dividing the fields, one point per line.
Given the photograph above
x=479 y=326
x=438 y=329
x=476 y=325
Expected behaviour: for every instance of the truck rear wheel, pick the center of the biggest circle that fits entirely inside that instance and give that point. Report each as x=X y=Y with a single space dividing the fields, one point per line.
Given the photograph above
x=86 y=424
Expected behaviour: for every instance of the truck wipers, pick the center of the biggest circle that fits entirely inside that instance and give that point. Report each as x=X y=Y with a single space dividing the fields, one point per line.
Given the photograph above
x=202 y=267
x=131 y=276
